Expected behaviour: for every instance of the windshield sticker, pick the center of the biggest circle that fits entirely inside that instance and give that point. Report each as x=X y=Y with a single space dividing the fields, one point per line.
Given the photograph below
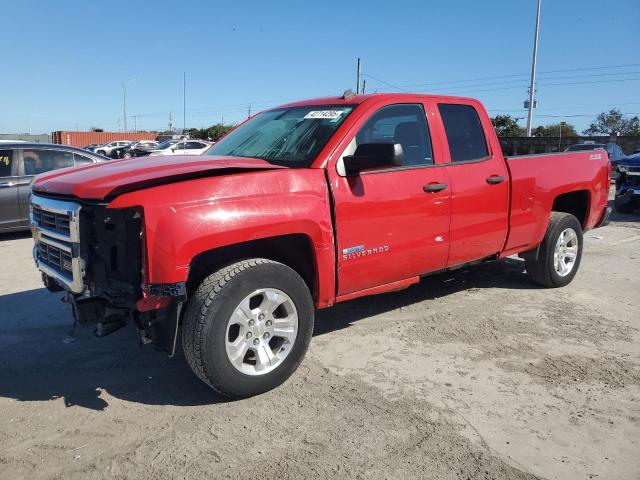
x=324 y=114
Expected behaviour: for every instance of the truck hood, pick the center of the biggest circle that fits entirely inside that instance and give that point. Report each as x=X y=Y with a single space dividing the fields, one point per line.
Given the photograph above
x=104 y=181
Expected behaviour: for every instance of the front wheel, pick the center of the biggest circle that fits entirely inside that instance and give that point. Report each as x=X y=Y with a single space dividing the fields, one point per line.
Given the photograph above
x=248 y=327
x=559 y=254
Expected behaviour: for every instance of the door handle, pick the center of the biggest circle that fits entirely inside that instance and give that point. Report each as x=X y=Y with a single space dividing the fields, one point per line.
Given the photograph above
x=6 y=184
x=434 y=187
x=495 y=179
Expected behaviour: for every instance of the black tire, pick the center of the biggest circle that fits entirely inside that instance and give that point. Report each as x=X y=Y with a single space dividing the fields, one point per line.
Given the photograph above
x=541 y=269
x=208 y=312
x=101 y=152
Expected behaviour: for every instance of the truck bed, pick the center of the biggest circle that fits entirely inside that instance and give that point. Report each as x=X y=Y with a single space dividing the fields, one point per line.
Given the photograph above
x=537 y=181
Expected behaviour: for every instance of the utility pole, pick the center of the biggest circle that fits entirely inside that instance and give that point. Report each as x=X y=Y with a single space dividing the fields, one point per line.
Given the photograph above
x=364 y=85
x=359 y=75
x=249 y=112
x=562 y=124
x=135 y=123
x=124 y=105
x=184 y=101
x=532 y=86
x=170 y=123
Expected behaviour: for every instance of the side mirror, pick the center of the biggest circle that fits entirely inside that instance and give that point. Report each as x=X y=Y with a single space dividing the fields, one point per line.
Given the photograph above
x=373 y=155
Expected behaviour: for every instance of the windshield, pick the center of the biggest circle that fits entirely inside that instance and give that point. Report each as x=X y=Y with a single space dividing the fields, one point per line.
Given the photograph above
x=286 y=136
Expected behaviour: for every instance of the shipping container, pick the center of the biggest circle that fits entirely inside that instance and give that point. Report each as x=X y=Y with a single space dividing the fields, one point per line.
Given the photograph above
x=80 y=139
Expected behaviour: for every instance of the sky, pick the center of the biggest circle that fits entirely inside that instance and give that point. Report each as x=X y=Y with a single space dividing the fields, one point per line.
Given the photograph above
x=64 y=62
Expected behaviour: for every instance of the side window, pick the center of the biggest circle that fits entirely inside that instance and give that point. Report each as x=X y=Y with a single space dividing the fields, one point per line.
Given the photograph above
x=40 y=161
x=405 y=124
x=464 y=132
x=81 y=160
x=6 y=160
x=180 y=146
x=194 y=145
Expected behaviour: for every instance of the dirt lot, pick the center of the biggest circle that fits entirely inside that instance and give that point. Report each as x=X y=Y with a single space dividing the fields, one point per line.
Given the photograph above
x=473 y=374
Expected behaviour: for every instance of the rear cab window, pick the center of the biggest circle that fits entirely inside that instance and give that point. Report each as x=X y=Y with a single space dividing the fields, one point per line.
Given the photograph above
x=465 y=135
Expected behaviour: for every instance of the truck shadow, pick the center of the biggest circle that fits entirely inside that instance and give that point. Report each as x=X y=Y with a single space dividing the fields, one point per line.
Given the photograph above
x=5 y=236
x=42 y=357
x=508 y=273
x=617 y=217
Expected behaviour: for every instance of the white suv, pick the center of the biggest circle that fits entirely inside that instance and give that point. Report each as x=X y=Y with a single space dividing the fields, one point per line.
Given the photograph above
x=107 y=147
x=181 y=147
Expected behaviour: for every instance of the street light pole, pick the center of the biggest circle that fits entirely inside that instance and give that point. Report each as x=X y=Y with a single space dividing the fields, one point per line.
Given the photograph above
x=124 y=105
x=532 y=86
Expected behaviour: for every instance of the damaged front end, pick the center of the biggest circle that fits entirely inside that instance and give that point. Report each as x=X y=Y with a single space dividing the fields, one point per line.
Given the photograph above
x=98 y=256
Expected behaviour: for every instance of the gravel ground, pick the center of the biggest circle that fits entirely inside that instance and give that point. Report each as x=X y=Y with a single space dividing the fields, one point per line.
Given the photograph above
x=472 y=374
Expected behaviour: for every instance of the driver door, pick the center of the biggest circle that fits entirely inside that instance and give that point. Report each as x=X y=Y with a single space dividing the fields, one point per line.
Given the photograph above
x=391 y=223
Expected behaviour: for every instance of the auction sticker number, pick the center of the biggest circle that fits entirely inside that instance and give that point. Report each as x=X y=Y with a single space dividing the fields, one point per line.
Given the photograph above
x=324 y=114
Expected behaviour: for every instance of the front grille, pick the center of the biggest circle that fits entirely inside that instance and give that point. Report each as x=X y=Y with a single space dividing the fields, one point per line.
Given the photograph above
x=56 y=231
x=56 y=258
x=58 y=222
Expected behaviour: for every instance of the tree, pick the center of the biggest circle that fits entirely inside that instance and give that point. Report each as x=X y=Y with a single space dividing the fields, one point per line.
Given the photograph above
x=507 y=126
x=214 y=132
x=613 y=123
x=554 y=129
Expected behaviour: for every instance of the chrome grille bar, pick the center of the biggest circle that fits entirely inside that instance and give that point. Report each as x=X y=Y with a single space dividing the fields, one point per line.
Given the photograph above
x=56 y=232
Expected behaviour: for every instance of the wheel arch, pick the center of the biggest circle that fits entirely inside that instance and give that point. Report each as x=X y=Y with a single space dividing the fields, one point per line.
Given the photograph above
x=577 y=203
x=293 y=250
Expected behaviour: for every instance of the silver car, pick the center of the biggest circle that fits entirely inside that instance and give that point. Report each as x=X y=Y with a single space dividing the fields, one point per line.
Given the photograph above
x=19 y=164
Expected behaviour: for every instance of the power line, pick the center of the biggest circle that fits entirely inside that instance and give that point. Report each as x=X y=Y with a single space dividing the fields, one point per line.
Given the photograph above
x=496 y=77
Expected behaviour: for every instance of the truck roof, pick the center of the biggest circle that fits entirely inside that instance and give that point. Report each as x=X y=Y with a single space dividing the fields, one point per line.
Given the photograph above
x=358 y=99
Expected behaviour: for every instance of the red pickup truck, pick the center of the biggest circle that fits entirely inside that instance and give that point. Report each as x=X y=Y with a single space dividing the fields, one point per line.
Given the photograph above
x=301 y=207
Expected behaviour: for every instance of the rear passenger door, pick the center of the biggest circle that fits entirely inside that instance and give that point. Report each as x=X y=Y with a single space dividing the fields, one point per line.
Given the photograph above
x=479 y=186
x=9 y=209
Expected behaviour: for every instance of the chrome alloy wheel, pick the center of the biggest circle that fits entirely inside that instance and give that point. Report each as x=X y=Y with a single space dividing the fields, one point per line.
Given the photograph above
x=261 y=331
x=566 y=252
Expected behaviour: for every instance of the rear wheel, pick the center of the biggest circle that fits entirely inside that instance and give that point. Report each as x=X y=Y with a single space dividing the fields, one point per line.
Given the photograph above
x=248 y=326
x=559 y=254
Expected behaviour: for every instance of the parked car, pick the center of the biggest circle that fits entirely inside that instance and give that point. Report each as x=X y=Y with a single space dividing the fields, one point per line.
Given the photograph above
x=137 y=149
x=181 y=147
x=92 y=146
x=19 y=163
x=108 y=147
x=301 y=207
x=627 y=197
